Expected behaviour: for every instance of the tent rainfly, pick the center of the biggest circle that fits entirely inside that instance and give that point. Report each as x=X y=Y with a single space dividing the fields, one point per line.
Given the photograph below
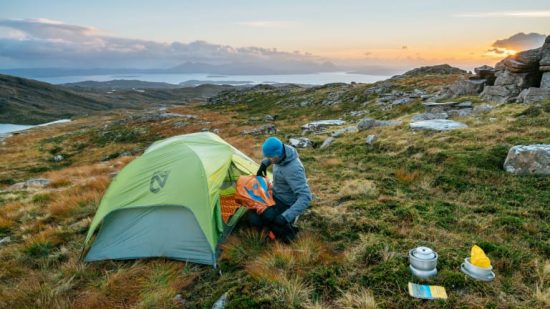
x=168 y=202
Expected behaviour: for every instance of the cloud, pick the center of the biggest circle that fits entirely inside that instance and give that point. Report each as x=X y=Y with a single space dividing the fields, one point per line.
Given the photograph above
x=523 y=14
x=46 y=43
x=520 y=41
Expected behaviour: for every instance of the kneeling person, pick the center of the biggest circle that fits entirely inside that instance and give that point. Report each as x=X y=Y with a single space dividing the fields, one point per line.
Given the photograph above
x=290 y=189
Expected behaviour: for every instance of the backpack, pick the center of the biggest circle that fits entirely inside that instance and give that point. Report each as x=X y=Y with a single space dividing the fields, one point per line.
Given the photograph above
x=254 y=192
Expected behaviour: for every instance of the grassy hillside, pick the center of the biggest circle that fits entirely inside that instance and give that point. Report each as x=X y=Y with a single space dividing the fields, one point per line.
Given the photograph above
x=26 y=101
x=373 y=203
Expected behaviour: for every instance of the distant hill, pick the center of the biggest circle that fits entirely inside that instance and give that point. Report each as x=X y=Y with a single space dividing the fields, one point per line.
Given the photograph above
x=25 y=101
x=121 y=84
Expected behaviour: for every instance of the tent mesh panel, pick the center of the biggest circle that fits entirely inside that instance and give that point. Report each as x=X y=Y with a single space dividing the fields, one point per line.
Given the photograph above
x=229 y=206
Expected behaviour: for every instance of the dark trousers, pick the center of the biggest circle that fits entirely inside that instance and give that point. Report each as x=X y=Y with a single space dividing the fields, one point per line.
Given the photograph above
x=284 y=232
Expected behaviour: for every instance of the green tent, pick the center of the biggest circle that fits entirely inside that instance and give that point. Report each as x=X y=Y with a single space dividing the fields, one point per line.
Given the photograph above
x=166 y=203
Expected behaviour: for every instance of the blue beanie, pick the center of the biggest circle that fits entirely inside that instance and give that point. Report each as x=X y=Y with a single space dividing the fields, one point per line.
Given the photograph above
x=272 y=147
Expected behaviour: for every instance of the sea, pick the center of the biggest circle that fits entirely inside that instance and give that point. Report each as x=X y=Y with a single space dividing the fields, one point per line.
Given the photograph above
x=200 y=78
x=6 y=128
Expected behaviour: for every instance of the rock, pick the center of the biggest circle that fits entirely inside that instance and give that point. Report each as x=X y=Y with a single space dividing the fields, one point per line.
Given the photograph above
x=486 y=72
x=4 y=241
x=179 y=124
x=37 y=182
x=545 y=81
x=435 y=69
x=483 y=108
x=332 y=98
x=357 y=113
x=58 y=158
x=305 y=103
x=17 y=186
x=324 y=123
x=179 y=301
x=220 y=303
x=435 y=107
x=300 y=142
x=525 y=61
x=365 y=124
x=371 y=139
x=269 y=118
x=465 y=112
x=532 y=95
x=465 y=104
x=205 y=130
x=328 y=142
x=350 y=129
x=463 y=87
x=499 y=94
x=528 y=160
x=429 y=116
x=437 y=125
x=169 y=115
x=387 y=123
x=518 y=81
x=402 y=101
x=544 y=68
x=267 y=129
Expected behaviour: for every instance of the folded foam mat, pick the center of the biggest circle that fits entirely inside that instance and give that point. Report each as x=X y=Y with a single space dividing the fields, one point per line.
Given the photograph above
x=427 y=291
x=228 y=206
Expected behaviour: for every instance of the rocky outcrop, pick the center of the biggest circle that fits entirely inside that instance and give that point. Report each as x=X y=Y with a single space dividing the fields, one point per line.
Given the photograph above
x=429 y=116
x=528 y=160
x=544 y=64
x=367 y=123
x=437 y=125
x=350 y=129
x=524 y=70
x=323 y=123
x=486 y=73
x=300 y=142
x=436 y=107
x=435 y=69
x=263 y=130
x=328 y=142
x=533 y=94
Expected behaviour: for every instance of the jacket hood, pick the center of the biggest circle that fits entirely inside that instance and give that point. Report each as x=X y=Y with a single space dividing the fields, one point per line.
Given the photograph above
x=291 y=154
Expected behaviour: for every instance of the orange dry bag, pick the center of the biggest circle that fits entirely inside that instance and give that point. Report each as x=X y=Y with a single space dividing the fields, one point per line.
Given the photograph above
x=254 y=192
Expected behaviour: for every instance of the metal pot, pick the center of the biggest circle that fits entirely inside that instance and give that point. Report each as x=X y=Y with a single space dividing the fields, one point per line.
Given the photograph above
x=423 y=258
x=423 y=274
x=476 y=270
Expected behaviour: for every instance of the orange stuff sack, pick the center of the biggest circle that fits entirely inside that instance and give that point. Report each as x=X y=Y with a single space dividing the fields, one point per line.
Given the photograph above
x=254 y=192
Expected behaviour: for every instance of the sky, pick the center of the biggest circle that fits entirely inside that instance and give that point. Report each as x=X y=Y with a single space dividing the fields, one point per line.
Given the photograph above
x=294 y=34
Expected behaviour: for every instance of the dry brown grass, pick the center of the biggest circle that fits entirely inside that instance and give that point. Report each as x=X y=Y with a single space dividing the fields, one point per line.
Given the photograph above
x=120 y=289
x=405 y=176
x=281 y=261
x=330 y=162
x=542 y=286
x=358 y=298
x=65 y=203
x=358 y=188
x=5 y=223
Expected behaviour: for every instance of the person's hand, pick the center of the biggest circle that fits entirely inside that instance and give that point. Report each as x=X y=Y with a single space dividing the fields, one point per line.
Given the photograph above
x=280 y=220
x=262 y=171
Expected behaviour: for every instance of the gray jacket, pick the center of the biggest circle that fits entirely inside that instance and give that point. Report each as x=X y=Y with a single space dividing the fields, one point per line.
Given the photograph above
x=290 y=183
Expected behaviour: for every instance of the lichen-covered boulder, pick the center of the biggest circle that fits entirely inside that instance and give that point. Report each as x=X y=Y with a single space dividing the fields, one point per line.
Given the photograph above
x=437 y=125
x=528 y=160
